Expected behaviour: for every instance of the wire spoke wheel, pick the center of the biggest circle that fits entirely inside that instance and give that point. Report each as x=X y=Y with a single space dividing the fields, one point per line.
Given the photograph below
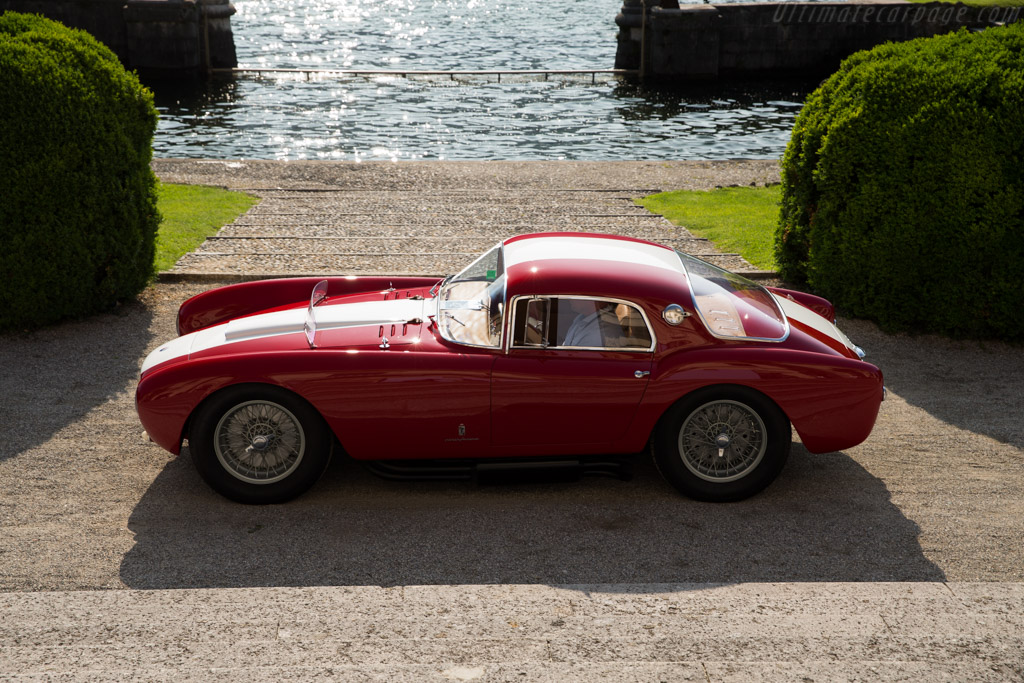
x=259 y=442
x=722 y=441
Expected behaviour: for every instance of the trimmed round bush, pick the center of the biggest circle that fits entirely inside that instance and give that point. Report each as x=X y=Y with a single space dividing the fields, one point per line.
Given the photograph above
x=78 y=213
x=903 y=186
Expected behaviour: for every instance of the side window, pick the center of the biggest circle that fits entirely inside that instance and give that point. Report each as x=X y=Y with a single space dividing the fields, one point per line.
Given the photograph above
x=577 y=322
x=635 y=333
x=532 y=322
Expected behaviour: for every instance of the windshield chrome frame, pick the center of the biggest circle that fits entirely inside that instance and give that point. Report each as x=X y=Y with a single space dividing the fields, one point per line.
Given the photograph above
x=613 y=349
x=504 y=300
x=786 y=328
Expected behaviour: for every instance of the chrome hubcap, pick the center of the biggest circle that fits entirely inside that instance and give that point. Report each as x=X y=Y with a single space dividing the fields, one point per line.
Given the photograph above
x=722 y=441
x=259 y=442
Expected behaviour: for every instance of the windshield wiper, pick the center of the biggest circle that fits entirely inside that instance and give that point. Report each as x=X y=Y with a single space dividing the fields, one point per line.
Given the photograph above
x=449 y=315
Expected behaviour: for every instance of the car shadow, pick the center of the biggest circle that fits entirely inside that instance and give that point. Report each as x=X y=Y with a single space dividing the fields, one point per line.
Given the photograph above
x=54 y=376
x=825 y=519
x=969 y=384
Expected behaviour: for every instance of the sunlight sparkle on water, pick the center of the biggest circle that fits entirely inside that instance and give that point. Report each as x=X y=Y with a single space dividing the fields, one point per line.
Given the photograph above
x=300 y=116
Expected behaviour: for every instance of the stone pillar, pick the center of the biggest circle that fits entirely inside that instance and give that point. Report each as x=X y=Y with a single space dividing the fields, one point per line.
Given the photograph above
x=630 y=22
x=218 y=43
x=683 y=43
x=163 y=36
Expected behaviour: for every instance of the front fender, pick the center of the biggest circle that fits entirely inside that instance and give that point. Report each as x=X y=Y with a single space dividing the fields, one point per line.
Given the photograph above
x=167 y=396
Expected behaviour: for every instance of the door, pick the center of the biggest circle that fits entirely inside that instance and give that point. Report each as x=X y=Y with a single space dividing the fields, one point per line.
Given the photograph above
x=407 y=404
x=575 y=372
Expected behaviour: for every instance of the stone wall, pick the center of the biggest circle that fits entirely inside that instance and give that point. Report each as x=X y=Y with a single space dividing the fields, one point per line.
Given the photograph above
x=155 y=37
x=700 y=42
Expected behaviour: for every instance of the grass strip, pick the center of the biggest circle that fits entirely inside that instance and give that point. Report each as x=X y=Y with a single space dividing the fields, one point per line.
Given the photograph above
x=191 y=213
x=736 y=219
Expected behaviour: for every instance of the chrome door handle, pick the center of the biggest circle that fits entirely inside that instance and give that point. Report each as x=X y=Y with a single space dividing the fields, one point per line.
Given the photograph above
x=640 y=374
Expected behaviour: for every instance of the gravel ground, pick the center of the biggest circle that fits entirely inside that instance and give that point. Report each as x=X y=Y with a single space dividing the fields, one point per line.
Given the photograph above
x=936 y=494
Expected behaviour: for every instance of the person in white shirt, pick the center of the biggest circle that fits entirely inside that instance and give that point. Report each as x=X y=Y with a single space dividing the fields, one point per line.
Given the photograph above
x=598 y=328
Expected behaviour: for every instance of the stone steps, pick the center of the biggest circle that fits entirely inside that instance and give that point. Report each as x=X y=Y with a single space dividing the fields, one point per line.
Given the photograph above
x=240 y=265
x=412 y=230
x=376 y=246
x=517 y=223
x=516 y=209
x=389 y=202
x=484 y=230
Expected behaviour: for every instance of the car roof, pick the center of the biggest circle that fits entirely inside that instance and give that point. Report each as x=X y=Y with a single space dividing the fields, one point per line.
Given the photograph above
x=592 y=264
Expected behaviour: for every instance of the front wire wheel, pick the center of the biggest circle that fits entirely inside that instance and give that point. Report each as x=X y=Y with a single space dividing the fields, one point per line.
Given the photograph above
x=722 y=444
x=259 y=444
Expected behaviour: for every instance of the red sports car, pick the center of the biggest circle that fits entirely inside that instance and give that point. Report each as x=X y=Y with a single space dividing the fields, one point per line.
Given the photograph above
x=550 y=350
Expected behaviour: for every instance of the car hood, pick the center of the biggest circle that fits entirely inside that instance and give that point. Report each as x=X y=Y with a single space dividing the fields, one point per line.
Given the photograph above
x=272 y=326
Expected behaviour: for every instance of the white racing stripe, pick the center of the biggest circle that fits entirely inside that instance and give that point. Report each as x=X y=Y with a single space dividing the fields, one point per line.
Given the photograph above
x=802 y=314
x=574 y=247
x=328 y=317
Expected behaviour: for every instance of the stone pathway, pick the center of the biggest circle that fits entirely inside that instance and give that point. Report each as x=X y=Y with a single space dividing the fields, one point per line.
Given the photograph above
x=406 y=226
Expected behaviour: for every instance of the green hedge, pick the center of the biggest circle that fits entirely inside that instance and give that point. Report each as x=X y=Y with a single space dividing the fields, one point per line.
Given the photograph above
x=78 y=214
x=903 y=186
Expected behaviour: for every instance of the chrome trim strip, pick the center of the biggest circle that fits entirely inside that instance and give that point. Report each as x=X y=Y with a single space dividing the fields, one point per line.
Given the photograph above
x=624 y=349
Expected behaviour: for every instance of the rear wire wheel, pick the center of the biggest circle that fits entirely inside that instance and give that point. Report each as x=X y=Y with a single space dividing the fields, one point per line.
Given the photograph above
x=722 y=443
x=259 y=444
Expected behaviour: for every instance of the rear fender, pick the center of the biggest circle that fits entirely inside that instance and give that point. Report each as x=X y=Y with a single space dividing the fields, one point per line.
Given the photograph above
x=831 y=401
x=822 y=307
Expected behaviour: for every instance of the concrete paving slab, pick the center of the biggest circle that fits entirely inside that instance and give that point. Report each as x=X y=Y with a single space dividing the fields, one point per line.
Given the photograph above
x=463 y=176
x=844 y=631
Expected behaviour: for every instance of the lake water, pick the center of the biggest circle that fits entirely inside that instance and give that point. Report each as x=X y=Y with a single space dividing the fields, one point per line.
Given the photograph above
x=470 y=118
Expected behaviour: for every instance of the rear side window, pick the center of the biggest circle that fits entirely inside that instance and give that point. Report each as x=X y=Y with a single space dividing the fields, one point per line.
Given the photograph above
x=580 y=323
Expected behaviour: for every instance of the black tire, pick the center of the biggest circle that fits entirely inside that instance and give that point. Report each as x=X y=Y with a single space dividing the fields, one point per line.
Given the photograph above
x=259 y=444
x=756 y=443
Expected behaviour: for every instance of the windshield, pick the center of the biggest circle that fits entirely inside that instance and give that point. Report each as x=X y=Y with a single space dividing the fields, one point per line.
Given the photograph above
x=470 y=305
x=731 y=306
